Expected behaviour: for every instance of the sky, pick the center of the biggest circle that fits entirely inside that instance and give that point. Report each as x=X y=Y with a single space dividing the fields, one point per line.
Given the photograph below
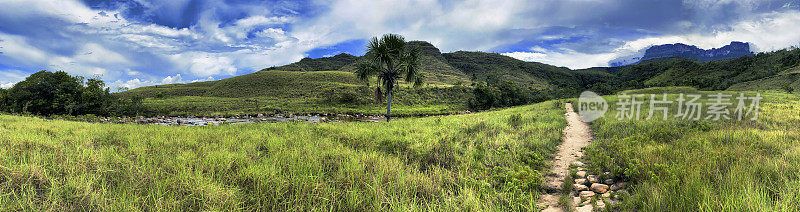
x=134 y=43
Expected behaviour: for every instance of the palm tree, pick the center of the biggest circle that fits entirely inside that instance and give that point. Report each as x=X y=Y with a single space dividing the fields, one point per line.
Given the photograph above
x=389 y=59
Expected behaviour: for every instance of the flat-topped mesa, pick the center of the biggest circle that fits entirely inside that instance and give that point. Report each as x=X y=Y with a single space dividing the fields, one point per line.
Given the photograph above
x=733 y=50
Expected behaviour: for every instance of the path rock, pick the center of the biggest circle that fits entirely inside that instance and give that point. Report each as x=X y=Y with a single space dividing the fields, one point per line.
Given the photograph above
x=606 y=195
x=599 y=188
x=593 y=179
x=581 y=187
x=581 y=174
x=618 y=186
x=580 y=181
x=576 y=201
x=608 y=181
x=577 y=163
x=587 y=194
x=585 y=208
x=601 y=205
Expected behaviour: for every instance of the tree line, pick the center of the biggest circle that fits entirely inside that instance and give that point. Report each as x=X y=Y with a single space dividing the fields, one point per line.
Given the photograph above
x=58 y=93
x=494 y=93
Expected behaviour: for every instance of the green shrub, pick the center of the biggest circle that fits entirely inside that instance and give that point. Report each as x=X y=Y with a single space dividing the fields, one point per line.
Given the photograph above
x=788 y=88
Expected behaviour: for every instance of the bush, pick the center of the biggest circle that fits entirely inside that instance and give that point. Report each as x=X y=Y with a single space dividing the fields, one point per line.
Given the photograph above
x=503 y=94
x=788 y=88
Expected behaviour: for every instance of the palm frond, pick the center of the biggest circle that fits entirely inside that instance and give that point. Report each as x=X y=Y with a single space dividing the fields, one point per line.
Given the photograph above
x=366 y=69
x=411 y=65
x=395 y=44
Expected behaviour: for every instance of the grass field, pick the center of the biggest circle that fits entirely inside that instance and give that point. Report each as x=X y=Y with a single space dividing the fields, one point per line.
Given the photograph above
x=408 y=102
x=484 y=161
x=296 y=92
x=681 y=165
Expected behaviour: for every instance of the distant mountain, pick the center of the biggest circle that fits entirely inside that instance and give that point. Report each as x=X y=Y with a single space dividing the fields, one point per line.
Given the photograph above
x=763 y=71
x=734 y=50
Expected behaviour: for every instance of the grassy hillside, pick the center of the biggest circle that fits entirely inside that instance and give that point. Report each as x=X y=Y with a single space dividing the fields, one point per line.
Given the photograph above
x=490 y=161
x=683 y=165
x=274 y=83
x=769 y=83
x=499 y=67
x=745 y=73
x=320 y=64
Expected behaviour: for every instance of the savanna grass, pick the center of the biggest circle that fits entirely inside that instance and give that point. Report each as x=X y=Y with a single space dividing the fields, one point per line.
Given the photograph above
x=484 y=161
x=684 y=165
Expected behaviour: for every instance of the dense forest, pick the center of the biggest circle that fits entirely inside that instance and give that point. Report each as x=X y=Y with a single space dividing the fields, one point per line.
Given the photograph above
x=58 y=93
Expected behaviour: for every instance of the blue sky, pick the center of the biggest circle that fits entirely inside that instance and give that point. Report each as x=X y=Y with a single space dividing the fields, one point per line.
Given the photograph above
x=133 y=43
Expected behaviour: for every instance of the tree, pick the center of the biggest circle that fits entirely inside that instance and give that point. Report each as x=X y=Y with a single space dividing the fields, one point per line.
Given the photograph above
x=389 y=59
x=58 y=93
x=96 y=98
x=46 y=93
x=3 y=99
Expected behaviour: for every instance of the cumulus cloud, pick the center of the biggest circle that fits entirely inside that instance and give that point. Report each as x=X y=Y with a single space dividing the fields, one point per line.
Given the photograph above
x=9 y=77
x=80 y=40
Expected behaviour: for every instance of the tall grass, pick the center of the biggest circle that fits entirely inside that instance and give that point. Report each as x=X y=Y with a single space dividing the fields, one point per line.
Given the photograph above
x=484 y=161
x=680 y=165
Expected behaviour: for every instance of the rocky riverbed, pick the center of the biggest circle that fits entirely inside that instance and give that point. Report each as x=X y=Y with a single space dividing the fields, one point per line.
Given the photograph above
x=246 y=119
x=221 y=120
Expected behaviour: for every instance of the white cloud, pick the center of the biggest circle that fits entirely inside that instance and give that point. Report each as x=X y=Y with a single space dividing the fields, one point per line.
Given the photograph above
x=10 y=77
x=7 y=85
x=16 y=48
x=569 y=58
x=206 y=79
x=172 y=79
x=93 y=53
x=204 y=64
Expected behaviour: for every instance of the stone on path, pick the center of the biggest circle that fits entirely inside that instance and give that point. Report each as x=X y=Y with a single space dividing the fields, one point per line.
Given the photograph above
x=577 y=163
x=593 y=179
x=580 y=181
x=618 y=186
x=581 y=187
x=585 y=208
x=587 y=194
x=599 y=188
x=601 y=204
x=581 y=174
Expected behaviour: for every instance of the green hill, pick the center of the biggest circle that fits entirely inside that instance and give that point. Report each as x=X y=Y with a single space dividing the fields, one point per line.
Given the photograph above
x=321 y=64
x=763 y=71
x=530 y=74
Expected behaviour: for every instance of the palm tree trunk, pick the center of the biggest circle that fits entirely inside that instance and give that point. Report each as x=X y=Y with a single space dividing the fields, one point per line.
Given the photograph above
x=389 y=106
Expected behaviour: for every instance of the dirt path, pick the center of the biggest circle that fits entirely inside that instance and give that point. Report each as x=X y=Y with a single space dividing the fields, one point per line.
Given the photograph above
x=577 y=135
